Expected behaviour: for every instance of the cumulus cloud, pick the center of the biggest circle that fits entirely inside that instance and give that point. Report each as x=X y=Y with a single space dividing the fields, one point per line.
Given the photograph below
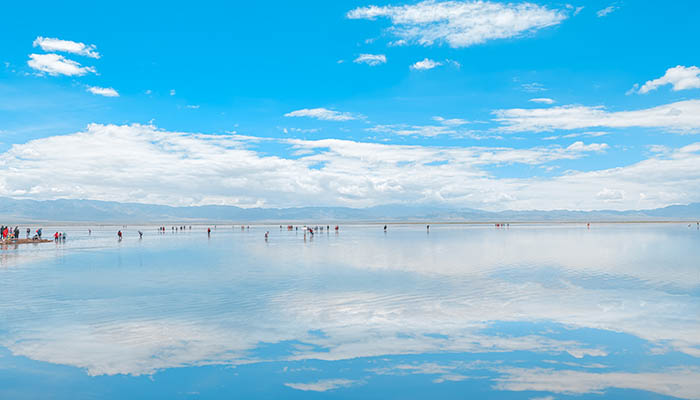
x=323 y=385
x=682 y=116
x=461 y=23
x=55 y=64
x=137 y=163
x=66 y=46
x=425 y=64
x=323 y=114
x=179 y=168
x=543 y=100
x=370 y=59
x=680 y=77
x=606 y=11
x=611 y=195
x=107 y=92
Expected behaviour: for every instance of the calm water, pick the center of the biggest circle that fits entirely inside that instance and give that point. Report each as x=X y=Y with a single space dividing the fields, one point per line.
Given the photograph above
x=475 y=312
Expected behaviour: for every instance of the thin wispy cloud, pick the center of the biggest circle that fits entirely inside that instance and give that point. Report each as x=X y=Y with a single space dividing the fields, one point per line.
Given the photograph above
x=607 y=11
x=323 y=385
x=370 y=59
x=56 y=64
x=681 y=116
x=100 y=91
x=66 y=46
x=450 y=121
x=681 y=382
x=679 y=77
x=533 y=87
x=542 y=100
x=413 y=130
x=461 y=23
x=323 y=114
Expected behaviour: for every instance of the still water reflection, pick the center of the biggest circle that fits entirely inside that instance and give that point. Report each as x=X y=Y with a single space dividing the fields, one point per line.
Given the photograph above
x=526 y=312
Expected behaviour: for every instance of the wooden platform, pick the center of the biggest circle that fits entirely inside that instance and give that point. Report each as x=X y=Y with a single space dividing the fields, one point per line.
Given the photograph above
x=23 y=241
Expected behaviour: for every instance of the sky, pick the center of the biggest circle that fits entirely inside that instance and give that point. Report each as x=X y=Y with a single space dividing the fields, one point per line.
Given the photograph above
x=462 y=104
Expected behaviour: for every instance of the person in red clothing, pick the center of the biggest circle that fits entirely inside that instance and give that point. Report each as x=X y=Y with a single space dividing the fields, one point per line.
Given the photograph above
x=119 y=234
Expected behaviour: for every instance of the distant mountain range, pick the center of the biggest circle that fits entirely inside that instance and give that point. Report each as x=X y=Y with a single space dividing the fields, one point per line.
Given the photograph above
x=13 y=210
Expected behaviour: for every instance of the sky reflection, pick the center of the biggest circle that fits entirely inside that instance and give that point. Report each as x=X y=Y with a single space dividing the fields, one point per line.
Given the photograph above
x=551 y=310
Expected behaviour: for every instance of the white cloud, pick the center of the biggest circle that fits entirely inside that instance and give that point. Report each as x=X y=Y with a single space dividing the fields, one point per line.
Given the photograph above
x=611 y=195
x=324 y=385
x=681 y=383
x=397 y=43
x=414 y=130
x=54 y=64
x=172 y=92
x=301 y=130
x=107 y=92
x=451 y=121
x=370 y=59
x=155 y=166
x=425 y=64
x=323 y=114
x=192 y=106
x=533 y=87
x=607 y=10
x=354 y=173
x=67 y=46
x=578 y=134
x=543 y=100
x=682 y=116
x=682 y=78
x=461 y=23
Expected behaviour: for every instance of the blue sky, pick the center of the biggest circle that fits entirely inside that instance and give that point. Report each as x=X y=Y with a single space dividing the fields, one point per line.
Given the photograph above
x=493 y=105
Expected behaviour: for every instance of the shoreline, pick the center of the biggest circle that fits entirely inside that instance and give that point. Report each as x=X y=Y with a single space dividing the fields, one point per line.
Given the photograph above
x=352 y=223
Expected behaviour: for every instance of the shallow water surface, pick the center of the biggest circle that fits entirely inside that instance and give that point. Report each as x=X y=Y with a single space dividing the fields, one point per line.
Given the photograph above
x=461 y=311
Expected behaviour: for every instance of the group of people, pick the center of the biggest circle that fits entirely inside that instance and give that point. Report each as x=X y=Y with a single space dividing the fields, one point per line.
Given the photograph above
x=162 y=229
x=7 y=233
x=59 y=237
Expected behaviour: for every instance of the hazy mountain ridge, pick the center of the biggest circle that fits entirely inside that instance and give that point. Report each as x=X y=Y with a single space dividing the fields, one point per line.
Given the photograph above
x=105 y=211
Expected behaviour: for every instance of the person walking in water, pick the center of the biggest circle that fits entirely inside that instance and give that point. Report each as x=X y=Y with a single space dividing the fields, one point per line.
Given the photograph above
x=140 y=235
x=119 y=234
x=384 y=228
x=208 y=231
